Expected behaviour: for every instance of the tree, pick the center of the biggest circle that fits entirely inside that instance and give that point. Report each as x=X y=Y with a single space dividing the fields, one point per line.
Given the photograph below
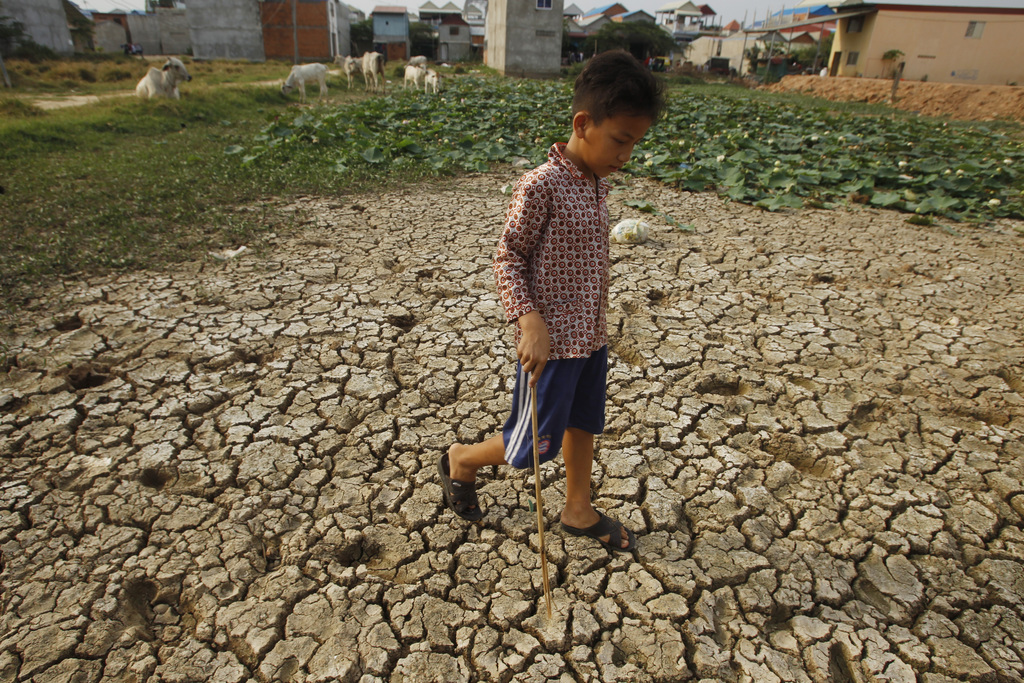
x=361 y=36
x=422 y=40
x=643 y=40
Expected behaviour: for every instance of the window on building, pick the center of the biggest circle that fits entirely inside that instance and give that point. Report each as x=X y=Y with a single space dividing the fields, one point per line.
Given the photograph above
x=855 y=25
x=543 y=4
x=851 y=59
x=975 y=29
x=453 y=30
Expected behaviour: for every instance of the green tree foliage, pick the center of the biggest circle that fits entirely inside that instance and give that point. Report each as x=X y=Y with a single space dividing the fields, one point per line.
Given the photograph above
x=643 y=40
x=422 y=40
x=361 y=35
x=81 y=26
x=14 y=42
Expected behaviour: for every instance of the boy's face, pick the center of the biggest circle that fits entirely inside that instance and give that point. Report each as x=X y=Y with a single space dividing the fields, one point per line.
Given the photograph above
x=605 y=147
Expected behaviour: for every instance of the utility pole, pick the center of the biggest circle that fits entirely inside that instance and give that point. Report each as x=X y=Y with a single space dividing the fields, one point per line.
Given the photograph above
x=295 y=29
x=743 y=52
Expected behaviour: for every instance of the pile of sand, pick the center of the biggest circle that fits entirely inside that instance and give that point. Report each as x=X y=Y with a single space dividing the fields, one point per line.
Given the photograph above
x=969 y=102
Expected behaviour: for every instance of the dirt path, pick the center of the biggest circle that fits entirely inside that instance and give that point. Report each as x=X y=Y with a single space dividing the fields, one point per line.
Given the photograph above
x=227 y=472
x=968 y=102
x=60 y=102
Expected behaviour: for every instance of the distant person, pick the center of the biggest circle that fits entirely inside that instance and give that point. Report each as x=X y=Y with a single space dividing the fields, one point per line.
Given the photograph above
x=823 y=72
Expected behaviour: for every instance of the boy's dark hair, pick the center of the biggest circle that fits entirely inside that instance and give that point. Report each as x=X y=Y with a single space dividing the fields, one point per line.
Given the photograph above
x=615 y=82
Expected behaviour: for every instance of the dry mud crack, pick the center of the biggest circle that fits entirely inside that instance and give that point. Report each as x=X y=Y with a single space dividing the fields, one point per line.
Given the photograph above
x=226 y=472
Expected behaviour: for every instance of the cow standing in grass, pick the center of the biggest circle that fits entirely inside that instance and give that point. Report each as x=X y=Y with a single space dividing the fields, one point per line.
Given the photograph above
x=163 y=83
x=373 y=71
x=303 y=73
x=350 y=65
x=415 y=74
x=431 y=81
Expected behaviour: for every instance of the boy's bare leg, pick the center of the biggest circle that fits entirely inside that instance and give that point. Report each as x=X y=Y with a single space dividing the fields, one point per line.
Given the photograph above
x=464 y=461
x=578 y=454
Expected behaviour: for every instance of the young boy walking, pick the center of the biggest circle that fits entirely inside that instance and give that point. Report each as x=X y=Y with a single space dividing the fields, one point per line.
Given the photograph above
x=552 y=270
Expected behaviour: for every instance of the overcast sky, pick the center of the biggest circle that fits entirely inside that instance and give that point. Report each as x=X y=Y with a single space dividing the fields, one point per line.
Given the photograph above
x=727 y=9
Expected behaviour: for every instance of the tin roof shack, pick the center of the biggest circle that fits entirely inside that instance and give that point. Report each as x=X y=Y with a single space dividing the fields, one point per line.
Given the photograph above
x=940 y=40
x=44 y=20
x=524 y=37
x=391 y=32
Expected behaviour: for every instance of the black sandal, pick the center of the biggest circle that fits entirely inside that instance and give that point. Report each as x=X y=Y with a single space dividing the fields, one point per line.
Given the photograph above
x=605 y=526
x=460 y=496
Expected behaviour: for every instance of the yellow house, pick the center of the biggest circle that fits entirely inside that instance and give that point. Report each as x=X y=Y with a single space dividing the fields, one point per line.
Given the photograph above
x=943 y=41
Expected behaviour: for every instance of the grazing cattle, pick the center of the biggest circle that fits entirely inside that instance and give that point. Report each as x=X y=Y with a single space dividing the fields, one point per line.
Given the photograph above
x=418 y=60
x=303 y=73
x=373 y=71
x=163 y=83
x=431 y=81
x=415 y=74
x=350 y=65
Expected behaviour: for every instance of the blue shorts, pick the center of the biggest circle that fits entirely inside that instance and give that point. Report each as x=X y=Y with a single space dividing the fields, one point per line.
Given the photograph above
x=570 y=393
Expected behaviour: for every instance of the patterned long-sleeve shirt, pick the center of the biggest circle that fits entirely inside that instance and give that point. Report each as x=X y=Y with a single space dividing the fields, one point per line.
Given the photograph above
x=553 y=256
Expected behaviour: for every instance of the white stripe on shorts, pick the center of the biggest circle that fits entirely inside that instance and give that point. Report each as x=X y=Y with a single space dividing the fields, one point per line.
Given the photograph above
x=524 y=421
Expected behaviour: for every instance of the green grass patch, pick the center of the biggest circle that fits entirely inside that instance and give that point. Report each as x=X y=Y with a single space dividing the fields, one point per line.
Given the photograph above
x=750 y=146
x=129 y=184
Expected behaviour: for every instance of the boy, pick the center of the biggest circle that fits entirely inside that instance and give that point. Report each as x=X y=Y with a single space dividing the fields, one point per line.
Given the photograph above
x=551 y=270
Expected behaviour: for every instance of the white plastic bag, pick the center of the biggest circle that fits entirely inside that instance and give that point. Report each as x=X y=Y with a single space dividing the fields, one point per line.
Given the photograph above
x=630 y=231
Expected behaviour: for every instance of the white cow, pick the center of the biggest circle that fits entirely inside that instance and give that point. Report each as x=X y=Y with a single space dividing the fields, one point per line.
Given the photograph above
x=431 y=81
x=349 y=65
x=163 y=83
x=415 y=74
x=306 y=73
x=373 y=71
x=418 y=60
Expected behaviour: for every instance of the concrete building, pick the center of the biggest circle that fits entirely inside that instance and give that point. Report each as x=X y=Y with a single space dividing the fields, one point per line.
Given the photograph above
x=292 y=30
x=305 y=31
x=144 y=30
x=173 y=26
x=941 y=40
x=524 y=37
x=45 y=22
x=109 y=36
x=225 y=29
x=454 y=41
x=391 y=32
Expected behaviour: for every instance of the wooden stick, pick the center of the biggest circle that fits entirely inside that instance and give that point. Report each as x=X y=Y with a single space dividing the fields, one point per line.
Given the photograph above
x=540 y=507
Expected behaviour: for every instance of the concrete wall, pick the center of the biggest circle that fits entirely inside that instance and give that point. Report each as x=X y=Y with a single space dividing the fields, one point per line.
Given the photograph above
x=454 y=42
x=174 y=38
x=935 y=46
x=44 y=20
x=225 y=29
x=109 y=36
x=313 y=23
x=522 y=40
x=145 y=31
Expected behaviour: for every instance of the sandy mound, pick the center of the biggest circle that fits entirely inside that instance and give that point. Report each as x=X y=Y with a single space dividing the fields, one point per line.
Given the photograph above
x=969 y=102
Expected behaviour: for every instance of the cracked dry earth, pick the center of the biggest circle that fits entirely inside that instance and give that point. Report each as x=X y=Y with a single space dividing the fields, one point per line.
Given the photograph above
x=226 y=472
